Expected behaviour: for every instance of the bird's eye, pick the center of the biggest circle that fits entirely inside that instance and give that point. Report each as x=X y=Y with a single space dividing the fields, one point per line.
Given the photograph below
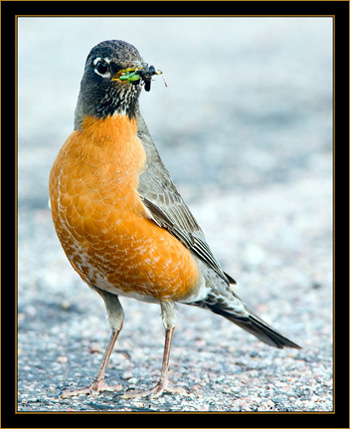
x=101 y=67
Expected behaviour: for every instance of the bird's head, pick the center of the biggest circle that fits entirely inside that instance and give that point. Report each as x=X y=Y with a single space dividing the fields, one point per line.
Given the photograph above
x=113 y=77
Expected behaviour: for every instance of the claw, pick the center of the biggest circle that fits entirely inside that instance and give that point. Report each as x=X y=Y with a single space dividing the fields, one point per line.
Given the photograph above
x=94 y=389
x=154 y=392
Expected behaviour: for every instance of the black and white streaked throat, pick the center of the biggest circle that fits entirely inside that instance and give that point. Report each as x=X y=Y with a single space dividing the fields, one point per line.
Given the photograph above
x=101 y=94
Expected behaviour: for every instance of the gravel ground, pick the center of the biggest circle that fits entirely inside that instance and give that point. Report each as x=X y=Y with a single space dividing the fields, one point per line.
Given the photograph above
x=245 y=127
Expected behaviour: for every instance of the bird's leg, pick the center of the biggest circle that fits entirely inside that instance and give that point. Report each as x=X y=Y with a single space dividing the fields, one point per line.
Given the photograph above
x=163 y=380
x=115 y=318
x=162 y=384
x=169 y=320
x=98 y=385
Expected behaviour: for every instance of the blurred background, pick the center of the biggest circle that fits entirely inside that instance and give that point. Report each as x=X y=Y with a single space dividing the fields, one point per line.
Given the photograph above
x=244 y=125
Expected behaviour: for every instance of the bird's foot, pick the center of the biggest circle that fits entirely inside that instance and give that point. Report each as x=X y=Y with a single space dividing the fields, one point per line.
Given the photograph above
x=154 y=392
x=94 y=389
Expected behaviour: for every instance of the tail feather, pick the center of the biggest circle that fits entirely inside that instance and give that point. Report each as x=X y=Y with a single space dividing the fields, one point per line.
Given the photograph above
x=248 y=321
x=263 y=331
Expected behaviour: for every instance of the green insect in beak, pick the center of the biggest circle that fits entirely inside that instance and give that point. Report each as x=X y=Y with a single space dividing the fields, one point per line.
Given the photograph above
x=130 y=75
x=142 y=72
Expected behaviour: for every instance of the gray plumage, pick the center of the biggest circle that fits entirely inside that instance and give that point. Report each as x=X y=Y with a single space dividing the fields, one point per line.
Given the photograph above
x=169 y=211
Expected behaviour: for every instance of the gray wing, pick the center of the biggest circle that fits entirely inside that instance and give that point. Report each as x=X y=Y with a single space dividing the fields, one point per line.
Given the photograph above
x=159 y=194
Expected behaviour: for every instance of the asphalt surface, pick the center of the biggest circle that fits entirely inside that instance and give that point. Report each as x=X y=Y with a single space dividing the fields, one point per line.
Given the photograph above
x=245 y=128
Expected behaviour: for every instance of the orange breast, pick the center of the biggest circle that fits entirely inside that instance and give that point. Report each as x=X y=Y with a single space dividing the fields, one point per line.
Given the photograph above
x=101 y=221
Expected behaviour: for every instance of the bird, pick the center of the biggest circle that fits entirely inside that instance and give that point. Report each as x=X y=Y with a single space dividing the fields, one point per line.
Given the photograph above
x=121 y=221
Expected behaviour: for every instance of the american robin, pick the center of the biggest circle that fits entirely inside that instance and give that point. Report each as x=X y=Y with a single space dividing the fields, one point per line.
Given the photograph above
x=120 y=219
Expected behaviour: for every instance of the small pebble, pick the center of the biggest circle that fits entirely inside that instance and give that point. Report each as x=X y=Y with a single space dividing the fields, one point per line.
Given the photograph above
x=62 y=359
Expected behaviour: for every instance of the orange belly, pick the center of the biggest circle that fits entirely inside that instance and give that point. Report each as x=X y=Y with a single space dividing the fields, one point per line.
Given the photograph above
x=101 y=221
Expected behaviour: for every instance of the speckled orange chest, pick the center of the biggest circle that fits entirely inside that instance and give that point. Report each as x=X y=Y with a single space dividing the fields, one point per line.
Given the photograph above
x=101 y=221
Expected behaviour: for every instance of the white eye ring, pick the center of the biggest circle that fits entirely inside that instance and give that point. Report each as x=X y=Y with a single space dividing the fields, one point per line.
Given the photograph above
x=102 y=68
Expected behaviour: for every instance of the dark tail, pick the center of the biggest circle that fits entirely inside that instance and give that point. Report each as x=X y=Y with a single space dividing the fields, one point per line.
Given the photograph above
x=254 y=325
x=233 y=309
